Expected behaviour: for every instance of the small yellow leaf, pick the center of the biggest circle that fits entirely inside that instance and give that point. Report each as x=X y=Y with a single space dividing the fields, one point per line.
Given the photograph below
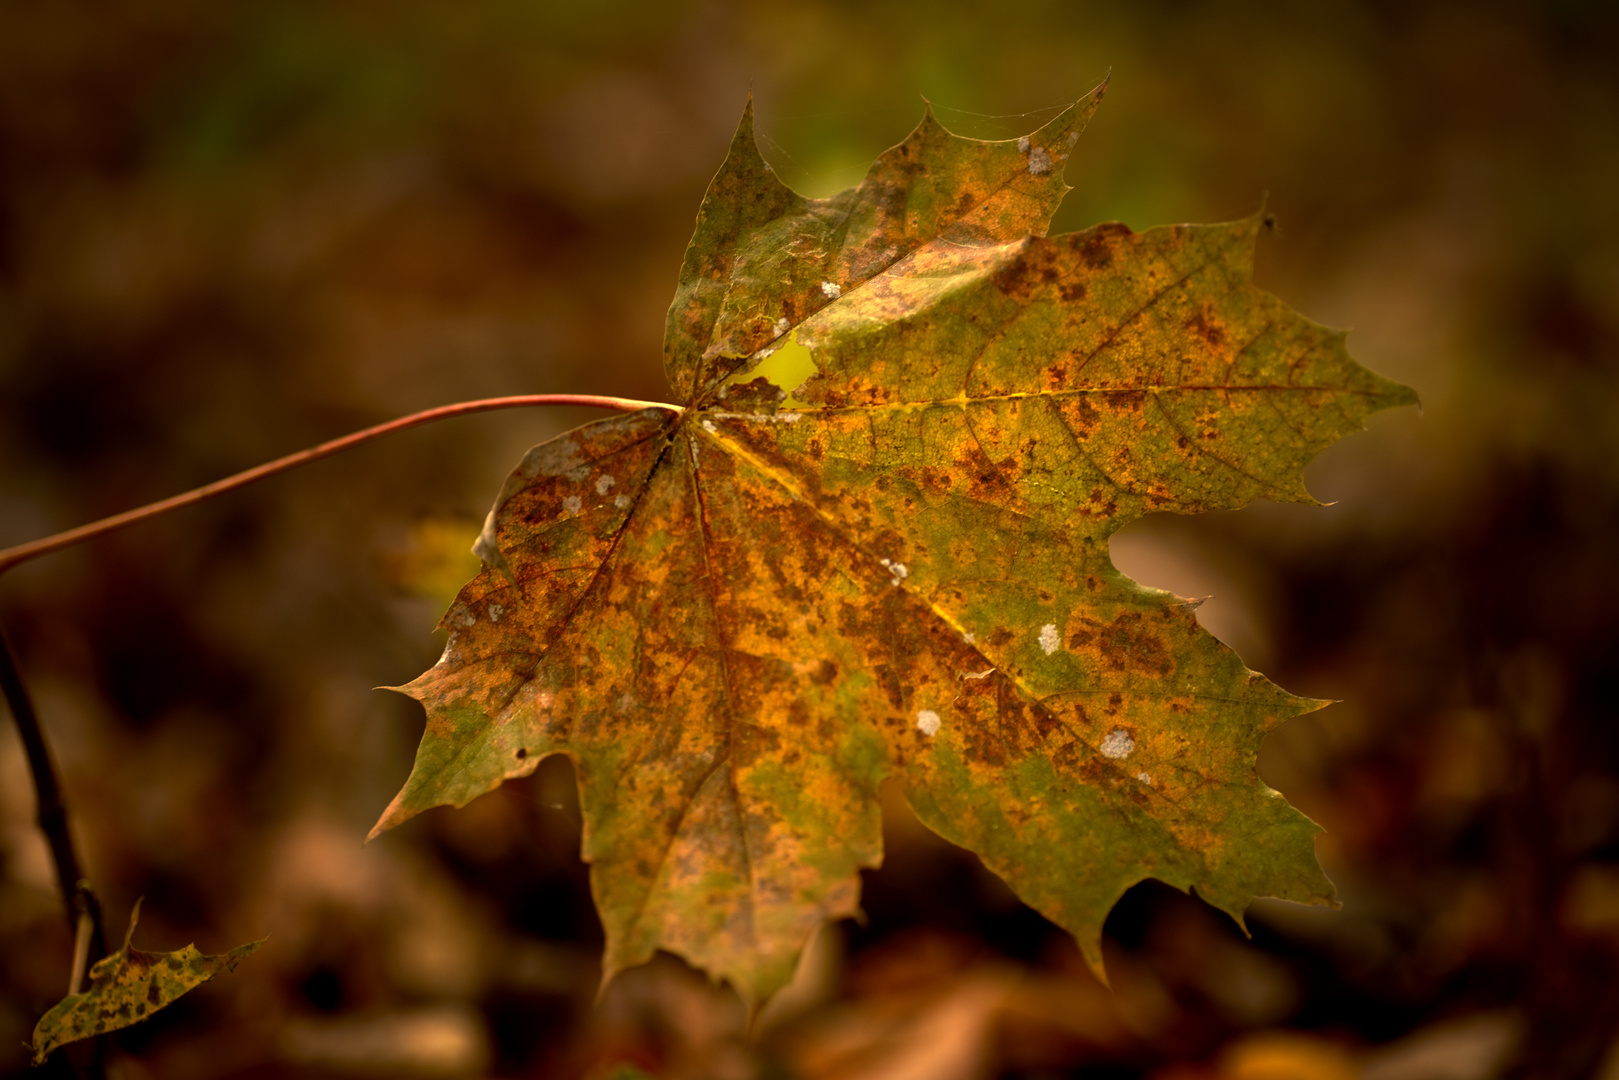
x=127 y=987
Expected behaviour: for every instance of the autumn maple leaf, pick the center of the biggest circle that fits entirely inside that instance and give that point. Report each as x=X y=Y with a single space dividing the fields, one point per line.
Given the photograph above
x=739 y=615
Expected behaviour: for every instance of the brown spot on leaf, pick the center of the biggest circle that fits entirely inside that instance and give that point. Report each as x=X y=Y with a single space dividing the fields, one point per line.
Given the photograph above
x=757 y=395
x=1031 y=274
x=1127 y=643
x=1096 y=246
x=1206 y=325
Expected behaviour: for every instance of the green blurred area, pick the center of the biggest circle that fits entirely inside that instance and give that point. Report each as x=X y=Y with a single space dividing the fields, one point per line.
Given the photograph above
x=230 y=231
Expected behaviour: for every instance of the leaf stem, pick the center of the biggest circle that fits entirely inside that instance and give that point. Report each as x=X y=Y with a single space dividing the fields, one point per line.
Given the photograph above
x=82 y=939
x=13 y=556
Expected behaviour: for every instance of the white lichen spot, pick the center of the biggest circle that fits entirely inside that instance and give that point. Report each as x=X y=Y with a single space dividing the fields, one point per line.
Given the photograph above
x=708 y=426
x=788 y=417
x=782 y=326
x=1039 y=161
x=572 y=504
x=578 y=475
x=899 y=569
x=552 y=459
x=1023 y=144
x=495 y=612
x=1049 y=639
x=466 y=618
x=885 y=562
x=1144 y=778
x=832 y=289
x=1073 y=137
x=927 y=722
x=621 y=501
x=969 y=637
x=603 y=482
x=1117 y=744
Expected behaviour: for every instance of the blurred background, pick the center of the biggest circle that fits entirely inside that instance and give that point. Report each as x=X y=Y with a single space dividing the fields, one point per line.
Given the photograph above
x=228 y=231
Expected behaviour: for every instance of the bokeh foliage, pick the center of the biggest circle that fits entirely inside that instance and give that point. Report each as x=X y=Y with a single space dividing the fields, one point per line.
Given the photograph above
x=227 y=231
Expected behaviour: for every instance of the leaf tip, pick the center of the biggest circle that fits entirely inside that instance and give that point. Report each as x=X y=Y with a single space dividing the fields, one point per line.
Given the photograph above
x=1090 y=947
x=1403 y=395
x=242 y=952
x=396 y=814
x=1304 y=706
x=1087 y=105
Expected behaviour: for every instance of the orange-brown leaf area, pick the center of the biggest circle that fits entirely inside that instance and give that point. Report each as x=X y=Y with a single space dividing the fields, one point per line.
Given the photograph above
x=736 y=625
x=229 y=231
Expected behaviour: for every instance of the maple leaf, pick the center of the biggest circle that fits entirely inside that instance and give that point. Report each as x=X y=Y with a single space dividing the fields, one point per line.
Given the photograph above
x=739 y=615
x=128 y=987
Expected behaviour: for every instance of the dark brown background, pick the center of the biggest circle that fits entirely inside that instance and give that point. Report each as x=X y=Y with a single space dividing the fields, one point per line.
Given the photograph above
x=231 y=230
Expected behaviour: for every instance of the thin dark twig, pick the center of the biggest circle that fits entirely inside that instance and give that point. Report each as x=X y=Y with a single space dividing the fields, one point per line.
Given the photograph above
x=77 y=898
x=13 y=556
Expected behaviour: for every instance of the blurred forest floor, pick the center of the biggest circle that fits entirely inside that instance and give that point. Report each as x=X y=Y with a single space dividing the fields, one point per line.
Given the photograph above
x=228 y=231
